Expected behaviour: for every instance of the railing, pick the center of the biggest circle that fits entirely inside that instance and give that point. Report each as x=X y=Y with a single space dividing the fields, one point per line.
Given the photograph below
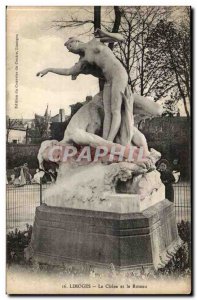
x=22 y=202
x=182 y=201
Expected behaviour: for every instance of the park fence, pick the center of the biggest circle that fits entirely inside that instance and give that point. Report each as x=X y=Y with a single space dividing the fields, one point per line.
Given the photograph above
x=182 y=201
x=22 y=201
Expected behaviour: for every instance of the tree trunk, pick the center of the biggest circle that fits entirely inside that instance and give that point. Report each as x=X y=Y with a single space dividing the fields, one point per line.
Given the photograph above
x=114 y=30
x=97 y=24
x=7 y=135
x=179 y=84
x=142 y=76
x=116 y=23
x=185 y=106
x=97 y=17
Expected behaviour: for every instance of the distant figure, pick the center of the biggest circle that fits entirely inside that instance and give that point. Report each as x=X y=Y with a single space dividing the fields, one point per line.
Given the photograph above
x=53 y=175
x=16 y=181
x=12 y=177
x=27 y=175
x=167 y=178
x=176 y=169
x=22 y=176
x=176 y=176
x=38 y=176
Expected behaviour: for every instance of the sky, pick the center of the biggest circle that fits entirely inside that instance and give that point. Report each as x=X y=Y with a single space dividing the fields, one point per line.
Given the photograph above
x=40 y=46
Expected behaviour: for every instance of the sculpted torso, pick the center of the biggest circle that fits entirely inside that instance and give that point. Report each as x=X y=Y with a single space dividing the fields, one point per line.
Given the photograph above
x=97 y=53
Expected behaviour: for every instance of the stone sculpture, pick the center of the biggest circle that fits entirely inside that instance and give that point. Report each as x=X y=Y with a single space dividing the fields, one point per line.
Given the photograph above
x=122 y=201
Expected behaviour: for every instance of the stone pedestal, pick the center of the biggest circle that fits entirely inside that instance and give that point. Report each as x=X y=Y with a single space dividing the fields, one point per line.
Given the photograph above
x=126 y=240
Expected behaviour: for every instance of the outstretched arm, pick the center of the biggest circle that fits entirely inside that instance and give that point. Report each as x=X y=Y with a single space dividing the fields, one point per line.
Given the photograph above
x=73 y=71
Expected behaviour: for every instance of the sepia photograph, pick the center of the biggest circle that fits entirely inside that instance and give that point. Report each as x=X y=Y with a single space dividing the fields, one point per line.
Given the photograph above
x=98 y=150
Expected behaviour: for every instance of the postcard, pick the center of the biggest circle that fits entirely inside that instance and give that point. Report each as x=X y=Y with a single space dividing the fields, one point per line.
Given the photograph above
x=98 y=149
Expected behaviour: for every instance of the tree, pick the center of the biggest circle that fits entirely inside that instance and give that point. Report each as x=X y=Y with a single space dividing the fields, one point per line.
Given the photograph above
x=136 y=26
x=169 y=43
x=42 y=124
x=170 y=108
x=95 y=22
x=156 y=52
x=11 y=124
x=97 y=17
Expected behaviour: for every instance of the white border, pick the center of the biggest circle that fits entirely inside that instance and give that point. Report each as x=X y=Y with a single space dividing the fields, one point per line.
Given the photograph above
x=3 y=3
x=97 y=2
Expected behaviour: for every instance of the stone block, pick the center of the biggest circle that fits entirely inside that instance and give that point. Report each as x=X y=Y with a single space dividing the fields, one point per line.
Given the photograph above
x=126 y=240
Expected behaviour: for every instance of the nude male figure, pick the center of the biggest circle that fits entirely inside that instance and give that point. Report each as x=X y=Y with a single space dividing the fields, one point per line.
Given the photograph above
x=85 y=127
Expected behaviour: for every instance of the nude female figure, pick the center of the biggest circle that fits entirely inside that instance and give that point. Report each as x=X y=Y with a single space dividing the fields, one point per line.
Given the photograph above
x=106 y=65
x=138 y=104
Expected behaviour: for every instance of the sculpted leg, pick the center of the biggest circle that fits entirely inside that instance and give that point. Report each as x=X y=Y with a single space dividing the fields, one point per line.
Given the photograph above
x=81 y=137
x=139 y=140
x=143 y=105
x=116 y=101
x=107 y=110
x=127 y=120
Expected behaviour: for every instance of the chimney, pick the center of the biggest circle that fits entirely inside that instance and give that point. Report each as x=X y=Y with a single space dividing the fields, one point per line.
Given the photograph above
x=61 y=115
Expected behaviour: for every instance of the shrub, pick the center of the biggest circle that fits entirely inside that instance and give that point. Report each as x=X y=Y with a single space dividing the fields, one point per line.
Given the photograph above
x=17 y=241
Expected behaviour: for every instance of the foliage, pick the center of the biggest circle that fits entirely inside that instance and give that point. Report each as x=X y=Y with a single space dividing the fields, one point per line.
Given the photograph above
x=18 y=154
x=169 y=49
x=13 y=124
x=170 y=108
x=42 y=125
x=136 y=27
x=93 y=19
x=184 y=230
x=156 y=51
x=180 y=264
x=17 y=241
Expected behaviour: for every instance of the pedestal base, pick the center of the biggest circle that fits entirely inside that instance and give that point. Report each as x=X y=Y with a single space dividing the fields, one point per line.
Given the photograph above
x=126 y=240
